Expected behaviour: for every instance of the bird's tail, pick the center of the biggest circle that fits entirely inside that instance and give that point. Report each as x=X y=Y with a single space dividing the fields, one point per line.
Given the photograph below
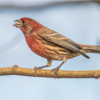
x=90 y=48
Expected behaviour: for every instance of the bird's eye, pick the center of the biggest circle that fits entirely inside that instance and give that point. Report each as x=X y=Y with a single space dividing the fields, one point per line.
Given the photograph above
x=23 y=22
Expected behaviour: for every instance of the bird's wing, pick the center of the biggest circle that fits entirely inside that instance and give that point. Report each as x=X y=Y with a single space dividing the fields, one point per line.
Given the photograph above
x=54 y=37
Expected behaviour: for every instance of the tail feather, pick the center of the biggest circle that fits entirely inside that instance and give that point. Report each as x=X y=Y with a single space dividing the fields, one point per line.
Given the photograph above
x=91 y=51
x=91 y=48
x=95 y=51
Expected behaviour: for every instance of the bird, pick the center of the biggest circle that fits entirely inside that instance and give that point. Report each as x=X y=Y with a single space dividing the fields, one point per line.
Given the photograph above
x=50 y=44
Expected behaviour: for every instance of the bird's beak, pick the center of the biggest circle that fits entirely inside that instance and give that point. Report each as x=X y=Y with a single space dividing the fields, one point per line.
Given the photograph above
x=17 y=23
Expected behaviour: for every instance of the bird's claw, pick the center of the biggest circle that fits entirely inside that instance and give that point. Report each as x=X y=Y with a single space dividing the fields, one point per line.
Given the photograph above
x=35 y=68
x=55 y=71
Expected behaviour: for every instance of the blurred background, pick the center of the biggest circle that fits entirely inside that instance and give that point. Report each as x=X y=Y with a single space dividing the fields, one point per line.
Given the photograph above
x=77 y=20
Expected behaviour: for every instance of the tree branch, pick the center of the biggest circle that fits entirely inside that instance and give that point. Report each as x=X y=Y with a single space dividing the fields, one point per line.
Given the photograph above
x=15 y=70
x=13 y=5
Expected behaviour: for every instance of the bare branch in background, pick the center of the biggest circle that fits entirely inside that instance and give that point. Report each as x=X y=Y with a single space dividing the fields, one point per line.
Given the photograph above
x=15 y=70
x=44 y=5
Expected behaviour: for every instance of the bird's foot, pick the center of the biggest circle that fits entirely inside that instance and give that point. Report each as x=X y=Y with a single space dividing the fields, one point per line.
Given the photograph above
x=35 y=68
x=55 y=71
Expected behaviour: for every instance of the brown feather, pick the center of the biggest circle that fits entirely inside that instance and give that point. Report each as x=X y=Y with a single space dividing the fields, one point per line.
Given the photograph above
x=60 y=40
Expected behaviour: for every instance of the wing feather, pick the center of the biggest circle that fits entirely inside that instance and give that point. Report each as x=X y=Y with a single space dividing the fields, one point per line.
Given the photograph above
x=61 y=40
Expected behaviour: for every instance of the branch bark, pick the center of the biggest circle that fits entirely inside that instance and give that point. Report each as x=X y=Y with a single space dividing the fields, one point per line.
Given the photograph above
x=15 y=70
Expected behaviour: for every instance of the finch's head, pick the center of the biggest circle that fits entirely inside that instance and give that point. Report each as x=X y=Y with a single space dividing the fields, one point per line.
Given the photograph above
x=27 y=25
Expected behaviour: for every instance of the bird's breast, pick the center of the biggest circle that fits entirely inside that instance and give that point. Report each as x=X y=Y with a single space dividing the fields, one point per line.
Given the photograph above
x=34 y=42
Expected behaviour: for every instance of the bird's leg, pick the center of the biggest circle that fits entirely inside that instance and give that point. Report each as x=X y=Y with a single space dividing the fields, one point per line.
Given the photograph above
x=57 y=69
x=49 y=64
